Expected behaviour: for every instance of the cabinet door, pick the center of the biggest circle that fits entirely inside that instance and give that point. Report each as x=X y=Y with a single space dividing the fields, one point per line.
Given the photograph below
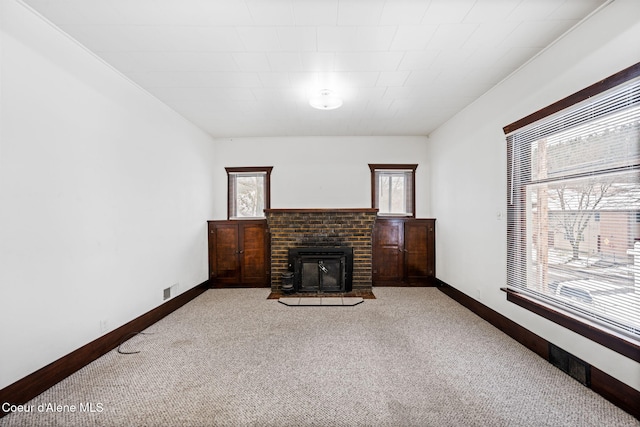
x=253 y=253
x=418 y=235
x=224 y=253
x=388 y=256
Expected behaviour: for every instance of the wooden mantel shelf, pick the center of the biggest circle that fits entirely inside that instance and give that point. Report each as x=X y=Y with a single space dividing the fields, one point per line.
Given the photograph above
x=322 y=210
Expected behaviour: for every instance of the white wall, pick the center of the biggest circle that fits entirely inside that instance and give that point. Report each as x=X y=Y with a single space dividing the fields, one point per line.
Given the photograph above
x=320 y=172
x=468 y=170
x=104 y=196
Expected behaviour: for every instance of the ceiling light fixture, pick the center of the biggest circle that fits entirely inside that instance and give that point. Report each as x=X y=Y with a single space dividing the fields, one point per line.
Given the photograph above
x=326 y=101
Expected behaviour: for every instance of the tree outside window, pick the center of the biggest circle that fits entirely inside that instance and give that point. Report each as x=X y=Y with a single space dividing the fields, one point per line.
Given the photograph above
x=589 y=215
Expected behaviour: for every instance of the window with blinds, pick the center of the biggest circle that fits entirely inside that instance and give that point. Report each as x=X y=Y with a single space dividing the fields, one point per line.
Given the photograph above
x=248 y=192
x=574 y=206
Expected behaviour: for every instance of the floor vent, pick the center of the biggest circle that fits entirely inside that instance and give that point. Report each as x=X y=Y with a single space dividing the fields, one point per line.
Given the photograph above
x=568 y=363
x=166 y=294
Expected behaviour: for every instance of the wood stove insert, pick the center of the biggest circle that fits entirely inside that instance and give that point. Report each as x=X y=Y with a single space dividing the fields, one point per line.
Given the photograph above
x=322 y=269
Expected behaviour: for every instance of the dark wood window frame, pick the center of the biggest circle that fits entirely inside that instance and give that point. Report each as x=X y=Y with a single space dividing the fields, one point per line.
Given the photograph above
x=592 y=331
x=249 y=169
x=393 y=166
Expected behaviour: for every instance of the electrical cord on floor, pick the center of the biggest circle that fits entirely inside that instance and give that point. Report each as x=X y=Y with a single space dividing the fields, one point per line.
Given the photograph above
x=129 y=336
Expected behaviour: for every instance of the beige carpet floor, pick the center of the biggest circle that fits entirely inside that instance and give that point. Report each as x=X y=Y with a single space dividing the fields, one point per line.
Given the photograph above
x=411 y=357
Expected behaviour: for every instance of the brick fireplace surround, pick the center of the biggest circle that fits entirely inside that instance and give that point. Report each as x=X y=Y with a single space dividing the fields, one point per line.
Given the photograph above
x=297 y=228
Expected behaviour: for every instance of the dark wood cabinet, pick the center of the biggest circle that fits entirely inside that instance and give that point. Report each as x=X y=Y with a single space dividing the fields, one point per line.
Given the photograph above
x=404 y=252
x=239 y=253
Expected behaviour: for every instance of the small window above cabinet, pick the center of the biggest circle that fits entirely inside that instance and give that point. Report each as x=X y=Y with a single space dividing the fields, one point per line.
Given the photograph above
x=393 y=189
x=249 y=191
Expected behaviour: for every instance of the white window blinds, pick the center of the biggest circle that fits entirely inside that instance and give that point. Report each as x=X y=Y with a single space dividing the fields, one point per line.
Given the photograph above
x=574 y=209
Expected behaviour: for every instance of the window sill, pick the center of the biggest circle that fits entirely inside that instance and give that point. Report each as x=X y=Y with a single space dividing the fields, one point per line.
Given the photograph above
x=616 y=342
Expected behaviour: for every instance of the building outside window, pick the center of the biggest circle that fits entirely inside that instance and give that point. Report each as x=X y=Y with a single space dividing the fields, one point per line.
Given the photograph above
x=249 y=192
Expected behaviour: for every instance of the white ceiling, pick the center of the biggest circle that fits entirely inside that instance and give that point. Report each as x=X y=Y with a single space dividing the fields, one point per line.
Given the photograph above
x=248 y=67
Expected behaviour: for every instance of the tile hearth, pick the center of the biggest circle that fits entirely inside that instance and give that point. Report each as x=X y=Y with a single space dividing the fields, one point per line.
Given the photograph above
x=321 y=301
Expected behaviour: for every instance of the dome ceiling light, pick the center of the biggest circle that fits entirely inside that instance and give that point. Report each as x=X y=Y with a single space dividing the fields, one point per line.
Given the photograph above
x=325 y=101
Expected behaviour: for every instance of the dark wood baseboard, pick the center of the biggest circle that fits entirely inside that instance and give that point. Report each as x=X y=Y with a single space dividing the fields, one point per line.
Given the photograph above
x=615 y=391
x=32 y=385
x=215 y=285
x=404 y=284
